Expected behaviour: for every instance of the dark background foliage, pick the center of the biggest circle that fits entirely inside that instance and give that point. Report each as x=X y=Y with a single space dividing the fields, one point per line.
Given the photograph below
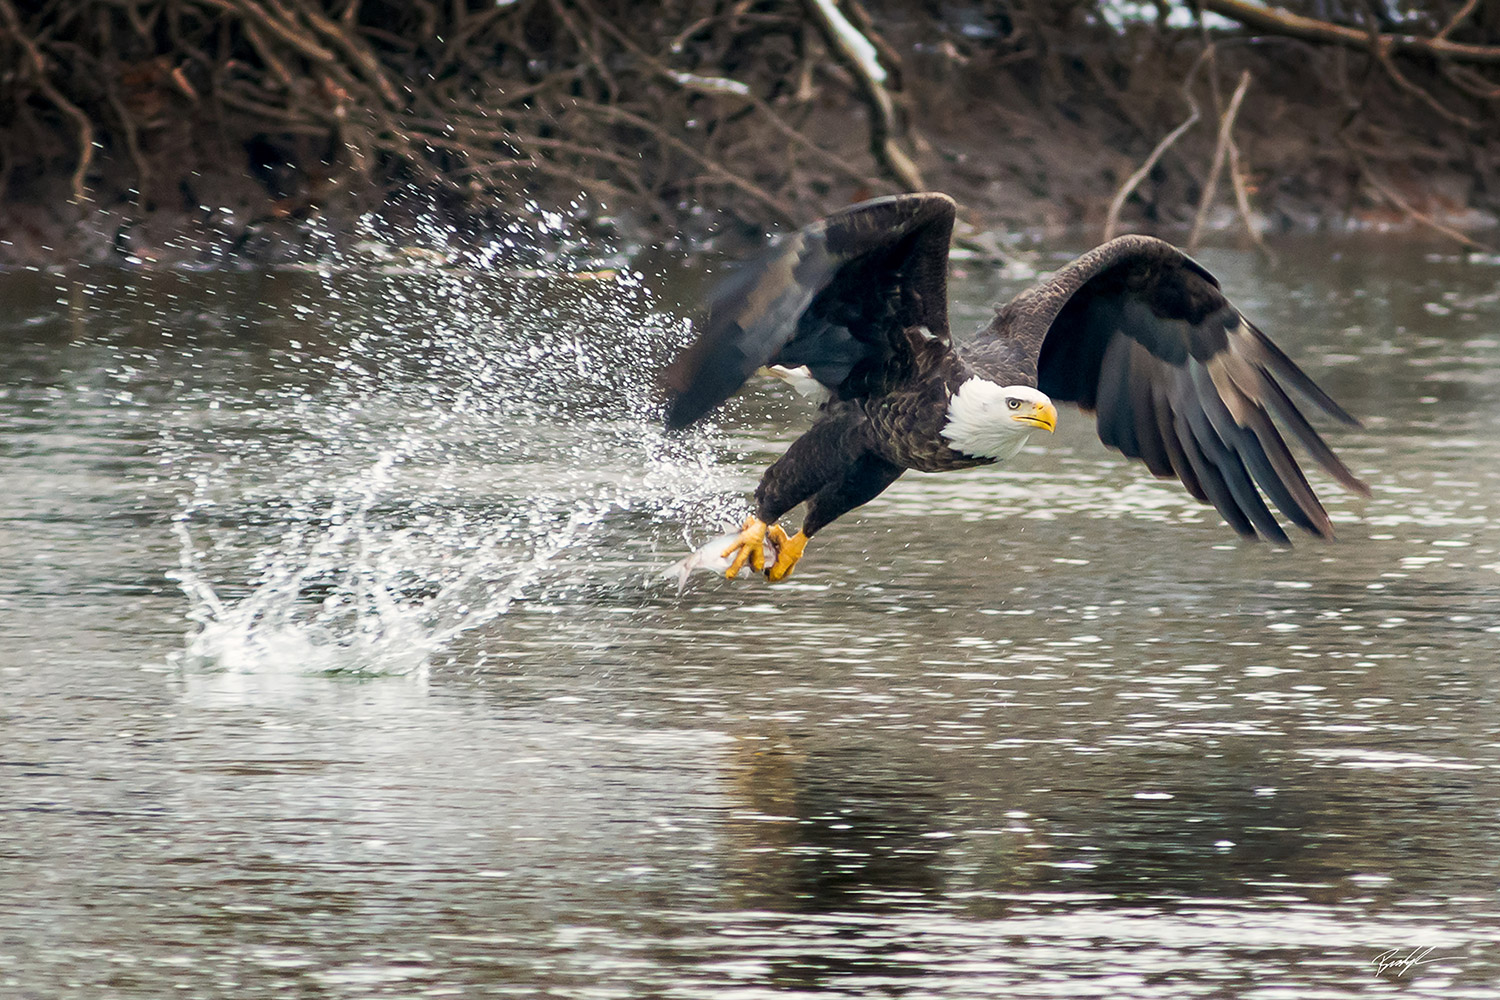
x=128 y=124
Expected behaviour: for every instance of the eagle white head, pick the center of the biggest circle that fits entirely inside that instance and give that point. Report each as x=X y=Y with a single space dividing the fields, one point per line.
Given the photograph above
x=993 y=421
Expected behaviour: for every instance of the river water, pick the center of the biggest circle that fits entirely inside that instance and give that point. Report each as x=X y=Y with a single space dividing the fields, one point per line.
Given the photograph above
x=333 y=663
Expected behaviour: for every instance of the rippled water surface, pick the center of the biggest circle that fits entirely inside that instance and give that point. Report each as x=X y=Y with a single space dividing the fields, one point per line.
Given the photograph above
x=333 y=663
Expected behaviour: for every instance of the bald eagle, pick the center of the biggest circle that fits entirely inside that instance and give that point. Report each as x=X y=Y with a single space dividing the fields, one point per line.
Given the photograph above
x=853 y=310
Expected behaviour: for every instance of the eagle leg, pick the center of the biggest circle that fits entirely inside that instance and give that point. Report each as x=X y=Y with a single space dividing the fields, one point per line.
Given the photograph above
x=788 y=552
x=749 y=547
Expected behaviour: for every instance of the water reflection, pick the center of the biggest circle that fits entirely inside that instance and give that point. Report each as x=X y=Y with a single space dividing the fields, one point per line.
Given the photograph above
x=1051 y=732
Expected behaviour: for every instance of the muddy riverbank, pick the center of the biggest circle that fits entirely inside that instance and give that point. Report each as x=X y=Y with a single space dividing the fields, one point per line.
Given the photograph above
x=180 y=131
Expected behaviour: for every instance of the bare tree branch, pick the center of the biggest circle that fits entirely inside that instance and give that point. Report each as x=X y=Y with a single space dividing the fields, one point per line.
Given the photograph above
x=1283 y=22
x=1112 y=218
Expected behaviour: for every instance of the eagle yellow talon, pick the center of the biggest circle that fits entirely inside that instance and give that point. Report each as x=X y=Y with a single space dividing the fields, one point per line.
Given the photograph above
x=749 y=547
x=788 y=551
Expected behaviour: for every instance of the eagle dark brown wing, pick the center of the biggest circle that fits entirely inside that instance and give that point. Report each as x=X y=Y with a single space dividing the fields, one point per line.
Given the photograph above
x=837 y=296
x=1140 y=333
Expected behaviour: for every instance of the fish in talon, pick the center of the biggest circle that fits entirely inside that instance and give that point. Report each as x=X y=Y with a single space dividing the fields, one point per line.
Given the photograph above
x=748 y=546
x=714 y=556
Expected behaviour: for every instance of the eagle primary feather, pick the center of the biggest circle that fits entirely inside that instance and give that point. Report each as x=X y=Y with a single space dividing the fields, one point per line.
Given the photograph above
x=1134 y=330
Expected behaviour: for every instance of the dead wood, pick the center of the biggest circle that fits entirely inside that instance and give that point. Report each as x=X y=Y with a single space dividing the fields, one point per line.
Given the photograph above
x=706 y=112
x=1112 y=218
x=1292 y=25
x=860 y=57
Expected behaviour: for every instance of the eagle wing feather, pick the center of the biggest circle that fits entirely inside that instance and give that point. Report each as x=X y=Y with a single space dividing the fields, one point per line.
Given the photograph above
x=1142 y=335
x=837 y=296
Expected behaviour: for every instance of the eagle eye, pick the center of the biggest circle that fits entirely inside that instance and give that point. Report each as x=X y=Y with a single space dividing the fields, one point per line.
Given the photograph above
x=1013 y=403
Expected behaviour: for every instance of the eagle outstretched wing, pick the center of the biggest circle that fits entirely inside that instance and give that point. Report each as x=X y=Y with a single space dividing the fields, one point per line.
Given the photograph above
x=837 y=296
x=1139 y=333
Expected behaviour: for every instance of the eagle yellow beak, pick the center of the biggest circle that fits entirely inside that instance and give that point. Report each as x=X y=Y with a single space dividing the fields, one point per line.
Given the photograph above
x=1043 y=415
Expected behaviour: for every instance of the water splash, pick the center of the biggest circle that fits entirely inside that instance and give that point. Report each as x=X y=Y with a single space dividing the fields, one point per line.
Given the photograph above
x=433 y=444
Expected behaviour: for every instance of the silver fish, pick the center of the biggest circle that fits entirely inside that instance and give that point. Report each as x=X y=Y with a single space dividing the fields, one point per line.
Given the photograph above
x=710 y=558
